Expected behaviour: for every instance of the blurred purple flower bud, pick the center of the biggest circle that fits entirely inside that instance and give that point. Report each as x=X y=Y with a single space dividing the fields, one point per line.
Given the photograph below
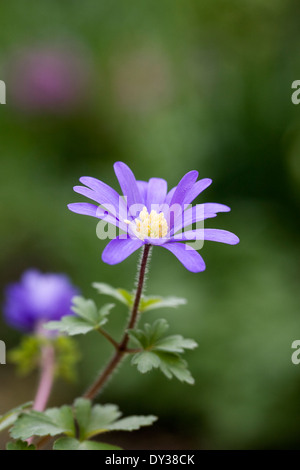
x=37 y=298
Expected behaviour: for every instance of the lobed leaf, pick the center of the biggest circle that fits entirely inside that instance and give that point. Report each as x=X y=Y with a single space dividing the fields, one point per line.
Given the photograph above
x=146 y=303
x=175 y=343
x=148 y=337
x=103 y=418
x=132 y=423
x=83 y=409
x=85 y=308
x=151 y=303
x=87 y=318
x=19 y=445
x=161 y=352
x=11 y=416
x=52 y=422
x=145 y=361
x=173 y=365
x=70 y=325
x=90 y=422
x=70 y=443
x=119 y=294
x=170 y=364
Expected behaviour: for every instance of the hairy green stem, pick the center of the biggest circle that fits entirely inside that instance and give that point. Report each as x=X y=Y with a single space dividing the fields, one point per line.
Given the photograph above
x=121 y=348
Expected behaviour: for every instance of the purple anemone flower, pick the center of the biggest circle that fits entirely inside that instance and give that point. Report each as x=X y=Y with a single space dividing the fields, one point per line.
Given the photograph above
x=147 y=214
x=37 y=298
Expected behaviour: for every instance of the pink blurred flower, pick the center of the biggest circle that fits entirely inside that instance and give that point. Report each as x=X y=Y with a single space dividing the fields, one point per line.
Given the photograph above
x=49 y=79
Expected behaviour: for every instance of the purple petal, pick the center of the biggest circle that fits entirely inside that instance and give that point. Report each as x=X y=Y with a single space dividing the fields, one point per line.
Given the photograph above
x=117 y=209
x=88 y=193
x=212 y=234
x=143 y=186
x=119 y=249
x=175 y=208
x=104 y=195
x=189 y=257
x=156 y=192
x=198 y=213
x=170 y=195
x=183 y=187
x=196 y=189
x=85 y=208
x=128 y=184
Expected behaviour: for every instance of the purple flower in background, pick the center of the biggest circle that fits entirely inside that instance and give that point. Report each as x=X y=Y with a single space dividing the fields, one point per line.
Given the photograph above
x=49 y=79
x=151 y=215
x=37 y=298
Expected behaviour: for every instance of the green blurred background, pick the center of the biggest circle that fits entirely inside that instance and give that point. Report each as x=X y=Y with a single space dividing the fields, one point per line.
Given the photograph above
x=166 y=87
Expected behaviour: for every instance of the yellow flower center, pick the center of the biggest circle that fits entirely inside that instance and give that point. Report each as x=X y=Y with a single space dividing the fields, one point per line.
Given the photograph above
x=153 y=225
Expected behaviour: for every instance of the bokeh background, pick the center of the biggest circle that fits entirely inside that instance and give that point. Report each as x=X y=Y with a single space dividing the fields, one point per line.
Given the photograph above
x=166 y=87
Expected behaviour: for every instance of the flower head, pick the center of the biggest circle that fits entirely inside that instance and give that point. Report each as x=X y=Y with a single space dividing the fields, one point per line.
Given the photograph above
x=37 y=298
x=150 y=214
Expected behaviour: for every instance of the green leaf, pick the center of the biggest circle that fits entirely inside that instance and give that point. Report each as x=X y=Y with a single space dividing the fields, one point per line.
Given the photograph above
x=92 y=445
x=173 y=365
x=87 y=318
x=90 y=420
x=122 y=295
x=151 y=303
x=34 y=424
x=146 y=303
x=169 y=363
x=83 y=409
x=146 y=361
x=175 y=343
x=132 y=423
x=11 y=416
x=149 y=336
x=161 y=352
x=66 y=443
x=70 y=325
x=63 y=418
x=69 y=443
x=52 y=422
x=19 y=445
x=103 y=418
x=85 y=308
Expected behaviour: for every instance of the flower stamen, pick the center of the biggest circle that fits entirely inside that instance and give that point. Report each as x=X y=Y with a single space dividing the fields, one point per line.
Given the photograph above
x=153 y=225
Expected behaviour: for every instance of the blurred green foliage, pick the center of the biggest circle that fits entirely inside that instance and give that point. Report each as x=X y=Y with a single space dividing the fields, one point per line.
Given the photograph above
x=174 y=86
x=27 y=355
